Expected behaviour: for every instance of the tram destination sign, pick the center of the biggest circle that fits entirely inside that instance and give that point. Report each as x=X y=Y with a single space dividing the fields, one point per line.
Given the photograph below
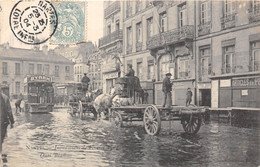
x=39 y=78
x=246 y=82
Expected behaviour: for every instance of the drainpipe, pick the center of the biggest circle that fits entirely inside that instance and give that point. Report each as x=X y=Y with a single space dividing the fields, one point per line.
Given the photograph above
x=195 y=52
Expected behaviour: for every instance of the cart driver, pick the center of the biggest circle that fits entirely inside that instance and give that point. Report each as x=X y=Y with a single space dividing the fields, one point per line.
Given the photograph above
x=85 y=82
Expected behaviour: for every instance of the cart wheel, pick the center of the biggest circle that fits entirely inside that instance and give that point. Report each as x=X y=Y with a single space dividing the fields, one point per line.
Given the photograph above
x=152 y=120
x=116 y=119
x=80 y=110
x=191 y=124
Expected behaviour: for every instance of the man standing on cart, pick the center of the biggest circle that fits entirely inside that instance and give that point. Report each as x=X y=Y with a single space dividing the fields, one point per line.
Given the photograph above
x=167 y=88
x=85 y=82
x=131 y=74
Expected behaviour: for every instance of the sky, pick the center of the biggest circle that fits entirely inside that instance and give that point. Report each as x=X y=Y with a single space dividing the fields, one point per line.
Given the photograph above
x=94 y=23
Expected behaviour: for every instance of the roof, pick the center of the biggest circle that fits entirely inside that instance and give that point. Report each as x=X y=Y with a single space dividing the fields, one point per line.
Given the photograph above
x=12 y=53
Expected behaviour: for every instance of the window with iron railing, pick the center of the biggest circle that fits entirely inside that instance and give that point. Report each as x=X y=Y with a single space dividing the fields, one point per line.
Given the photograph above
x=255 y=56
x=205 y=12
x=163 y=22
x=182 y=15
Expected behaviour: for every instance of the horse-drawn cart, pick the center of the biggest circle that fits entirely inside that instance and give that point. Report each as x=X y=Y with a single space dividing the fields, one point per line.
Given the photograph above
x=152 y=115
x=81 y=104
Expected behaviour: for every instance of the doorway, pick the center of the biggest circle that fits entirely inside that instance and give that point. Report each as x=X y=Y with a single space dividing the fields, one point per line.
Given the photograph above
x=205 y=97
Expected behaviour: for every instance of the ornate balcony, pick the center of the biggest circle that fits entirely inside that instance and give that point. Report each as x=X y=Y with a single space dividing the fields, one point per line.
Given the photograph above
x=228 y=21
x=114 y=36
x=112 y=9
x=254 y=14
x=171 y=36
x=139 y=46
x=204 y=29
x=255 y=66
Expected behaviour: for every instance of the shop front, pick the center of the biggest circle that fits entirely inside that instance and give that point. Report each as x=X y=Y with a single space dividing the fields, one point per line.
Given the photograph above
x=236 y=91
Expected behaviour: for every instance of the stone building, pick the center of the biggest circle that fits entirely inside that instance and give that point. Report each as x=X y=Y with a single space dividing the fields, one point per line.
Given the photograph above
x=227 y=49
x=111 y=44
x=17 y=63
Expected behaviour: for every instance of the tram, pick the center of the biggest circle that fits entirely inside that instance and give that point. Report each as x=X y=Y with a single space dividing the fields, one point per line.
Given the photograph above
x=40 y=94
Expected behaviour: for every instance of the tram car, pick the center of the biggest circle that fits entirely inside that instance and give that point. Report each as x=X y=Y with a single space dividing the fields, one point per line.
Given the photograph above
x=40 y=94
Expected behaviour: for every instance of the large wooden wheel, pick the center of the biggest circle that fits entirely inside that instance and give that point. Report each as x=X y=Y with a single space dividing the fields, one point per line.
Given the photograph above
x=152 y=120
x=116 y=119
x=80 y=110
x=191 y=123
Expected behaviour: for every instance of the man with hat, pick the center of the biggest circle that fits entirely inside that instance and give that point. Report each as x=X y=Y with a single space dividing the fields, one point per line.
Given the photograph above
x=130 y=72
x=167 y=88
x=85 y=82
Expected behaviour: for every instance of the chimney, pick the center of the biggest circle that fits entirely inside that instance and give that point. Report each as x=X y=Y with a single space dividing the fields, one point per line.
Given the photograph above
x=45 y=49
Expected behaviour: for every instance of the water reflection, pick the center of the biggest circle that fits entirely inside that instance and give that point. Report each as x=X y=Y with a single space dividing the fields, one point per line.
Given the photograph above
x=57 y=139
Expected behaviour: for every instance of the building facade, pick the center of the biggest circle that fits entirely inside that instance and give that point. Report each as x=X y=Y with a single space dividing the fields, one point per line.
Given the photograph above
x=111 y=44
x=228 y=55
x=18 y=63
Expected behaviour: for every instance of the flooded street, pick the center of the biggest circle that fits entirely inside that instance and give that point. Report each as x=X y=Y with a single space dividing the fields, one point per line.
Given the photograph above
x=57 y=139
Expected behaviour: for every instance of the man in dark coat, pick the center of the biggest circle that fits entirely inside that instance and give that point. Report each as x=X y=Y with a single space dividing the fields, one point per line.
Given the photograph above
x=85 y=82
x=6 y=115
x=167 y=88
x=130 y=72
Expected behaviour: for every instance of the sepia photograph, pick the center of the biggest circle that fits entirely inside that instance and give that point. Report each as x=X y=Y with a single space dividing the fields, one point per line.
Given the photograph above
x=135 y=83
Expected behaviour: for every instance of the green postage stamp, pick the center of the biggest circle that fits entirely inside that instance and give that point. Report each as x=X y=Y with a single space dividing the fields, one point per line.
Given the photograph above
x=71 y=26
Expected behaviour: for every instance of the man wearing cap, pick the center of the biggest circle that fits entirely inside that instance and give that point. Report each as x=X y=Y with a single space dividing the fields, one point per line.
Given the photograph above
x=85 y=80
x=130 y=72
x=167 y=88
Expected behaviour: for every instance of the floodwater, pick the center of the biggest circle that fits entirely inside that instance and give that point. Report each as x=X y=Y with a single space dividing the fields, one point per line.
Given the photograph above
x=57 y=139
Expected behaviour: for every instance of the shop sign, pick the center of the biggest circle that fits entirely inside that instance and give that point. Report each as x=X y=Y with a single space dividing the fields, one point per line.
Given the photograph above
x=225 y=83
x=39 y=78
x=111 y=75
x=246 y=82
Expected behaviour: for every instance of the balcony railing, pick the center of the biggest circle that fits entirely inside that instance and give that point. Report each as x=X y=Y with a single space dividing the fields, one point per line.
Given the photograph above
x=228 y=69
x=139 y=46
x=254 y=14
x=255 y=66
x=111 y=9
x=204 y=29
x=114 y=36
x=171 y=36
x=228 y=21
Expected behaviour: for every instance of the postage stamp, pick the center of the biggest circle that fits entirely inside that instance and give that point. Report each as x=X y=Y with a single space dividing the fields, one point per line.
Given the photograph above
x=33 y=22
x=71 y=28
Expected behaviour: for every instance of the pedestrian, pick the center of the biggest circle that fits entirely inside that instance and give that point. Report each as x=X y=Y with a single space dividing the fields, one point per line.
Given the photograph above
x=146 y=94
x=167 y=88
x=188 y=97
x=18 y=104
x=5 y=115
x=85 y=82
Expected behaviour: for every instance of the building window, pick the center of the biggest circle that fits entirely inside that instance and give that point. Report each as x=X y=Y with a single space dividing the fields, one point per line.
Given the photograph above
x=139 y=69
x=138 y=5
x=164 y=66
x=17 y=87
x=139 y=32
x=205 y=62
x=204 y=12
x=256 y=6
x=150 y=71
x=108 y=29
x=182 y=15
x=228 y=59
x=39 y=69
x=129 y=39
x=149 y=27
x=229 y=7
x=163 y=22
x=46 y=69
x=4 y=68
x=128 y=8
x=183 y=70
x=5 y=83
x=56 y=71
x=117 y=25
x=148 y=3
x=31 y=69
x=17 y=69
x=255 y=56
x=67 y=71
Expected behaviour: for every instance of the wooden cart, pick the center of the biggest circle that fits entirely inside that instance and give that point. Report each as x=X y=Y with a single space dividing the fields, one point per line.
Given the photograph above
x=152 y=115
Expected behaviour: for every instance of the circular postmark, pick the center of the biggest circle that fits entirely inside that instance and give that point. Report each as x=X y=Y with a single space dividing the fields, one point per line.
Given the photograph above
x=33 y=22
